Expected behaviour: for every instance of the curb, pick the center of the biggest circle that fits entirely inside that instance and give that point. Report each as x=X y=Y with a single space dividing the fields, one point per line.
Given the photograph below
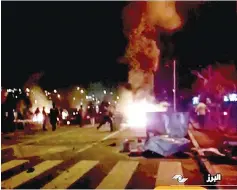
x=204 y=162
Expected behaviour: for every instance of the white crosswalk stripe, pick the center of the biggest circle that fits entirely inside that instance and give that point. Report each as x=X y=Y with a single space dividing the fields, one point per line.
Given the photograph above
x=67 y=178
x=118 y=176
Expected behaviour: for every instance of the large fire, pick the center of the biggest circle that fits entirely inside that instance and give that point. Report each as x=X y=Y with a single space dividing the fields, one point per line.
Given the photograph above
x=142 y=20
x=135 y=112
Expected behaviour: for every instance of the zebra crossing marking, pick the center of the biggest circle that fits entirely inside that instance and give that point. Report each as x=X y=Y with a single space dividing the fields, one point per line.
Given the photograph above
x=67 y=178
x=119 y=176
x=166 y=171
x=12 y=164
x=24 y=177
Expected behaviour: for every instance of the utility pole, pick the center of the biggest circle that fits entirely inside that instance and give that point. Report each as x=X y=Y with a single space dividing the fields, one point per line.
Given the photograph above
x=174 y=84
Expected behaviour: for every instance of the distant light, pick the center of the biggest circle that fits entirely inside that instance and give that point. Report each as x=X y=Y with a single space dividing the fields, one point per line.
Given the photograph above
x=109 y=102
x=88 y=107
x=111 y=93
x=226 y=99
x=64 y=114
x=104 y=91
x=27 y=90
x=58 y=95
x=78 y=88
x=225 y=113
x=55 y=91
x=117 y=98
x=195 y=100
x=35 y=101
x=93 y=99
x=57 y=119
x=19 y=90
x=74 y=98
x=86 y=97
x=16 y=96
x=82 y=91
x=74 y=113
x=81 y=103
x=68 y=122
x=233 y=97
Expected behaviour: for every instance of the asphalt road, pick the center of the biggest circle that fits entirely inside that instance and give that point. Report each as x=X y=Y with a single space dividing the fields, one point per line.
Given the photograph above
x=83 y=158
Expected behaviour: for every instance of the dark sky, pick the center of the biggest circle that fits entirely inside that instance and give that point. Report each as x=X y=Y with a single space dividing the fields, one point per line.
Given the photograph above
x=80 y=42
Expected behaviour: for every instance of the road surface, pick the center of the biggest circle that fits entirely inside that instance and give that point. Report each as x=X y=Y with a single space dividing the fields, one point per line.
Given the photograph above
x=84 y=158
x=216 y=164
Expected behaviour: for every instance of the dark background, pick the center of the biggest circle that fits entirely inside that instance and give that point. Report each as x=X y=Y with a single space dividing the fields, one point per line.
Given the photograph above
x=80 y=42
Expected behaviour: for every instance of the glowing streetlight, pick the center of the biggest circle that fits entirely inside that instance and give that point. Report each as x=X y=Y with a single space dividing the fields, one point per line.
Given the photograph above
x=16 y=96
x=55 y=91
x=78 y=88
x=59 y=96
x=82 y=91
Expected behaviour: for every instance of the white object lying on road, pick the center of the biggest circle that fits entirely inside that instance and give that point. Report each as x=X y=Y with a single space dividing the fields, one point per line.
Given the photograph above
x=213 y=150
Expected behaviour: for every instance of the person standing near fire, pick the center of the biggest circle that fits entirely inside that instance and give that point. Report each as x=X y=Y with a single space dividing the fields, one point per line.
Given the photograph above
x=80 y=116
x=44 y=119
x=91 y=113
x=201 y=111
x=53 y=116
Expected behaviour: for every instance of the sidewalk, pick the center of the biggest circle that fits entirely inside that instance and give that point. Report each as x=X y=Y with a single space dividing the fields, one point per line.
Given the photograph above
x=214 y=164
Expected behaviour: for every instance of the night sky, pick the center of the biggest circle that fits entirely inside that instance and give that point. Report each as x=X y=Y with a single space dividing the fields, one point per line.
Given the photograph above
x=80 y=42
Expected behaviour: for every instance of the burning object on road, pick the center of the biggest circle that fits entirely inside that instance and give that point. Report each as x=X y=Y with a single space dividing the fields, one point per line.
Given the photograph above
x=169 y=130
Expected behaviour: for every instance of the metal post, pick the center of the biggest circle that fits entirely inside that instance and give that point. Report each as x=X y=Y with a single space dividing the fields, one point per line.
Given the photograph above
x=174 y=85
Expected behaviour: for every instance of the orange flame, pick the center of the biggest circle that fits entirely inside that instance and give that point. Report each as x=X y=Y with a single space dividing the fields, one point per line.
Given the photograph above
x=141 y=23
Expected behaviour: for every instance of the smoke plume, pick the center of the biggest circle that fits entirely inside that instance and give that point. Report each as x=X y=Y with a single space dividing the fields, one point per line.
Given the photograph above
x=36 y=95
x=143 y=22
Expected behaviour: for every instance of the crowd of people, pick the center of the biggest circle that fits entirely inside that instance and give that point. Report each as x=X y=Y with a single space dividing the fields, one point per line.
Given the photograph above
x=104 y=116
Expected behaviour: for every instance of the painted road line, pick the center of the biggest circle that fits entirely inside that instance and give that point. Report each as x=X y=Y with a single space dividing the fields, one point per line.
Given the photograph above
x=95 y=143
x=166 y=171
x=119 y=176
x=113 y=134
x=12 y=164
x=69 y=177
x=24 y=177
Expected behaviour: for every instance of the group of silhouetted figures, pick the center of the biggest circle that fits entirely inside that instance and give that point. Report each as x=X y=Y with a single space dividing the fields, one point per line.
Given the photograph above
x=53 y=117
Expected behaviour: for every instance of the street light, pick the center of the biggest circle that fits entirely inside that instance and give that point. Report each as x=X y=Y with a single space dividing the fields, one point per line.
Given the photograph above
x=174 y=85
